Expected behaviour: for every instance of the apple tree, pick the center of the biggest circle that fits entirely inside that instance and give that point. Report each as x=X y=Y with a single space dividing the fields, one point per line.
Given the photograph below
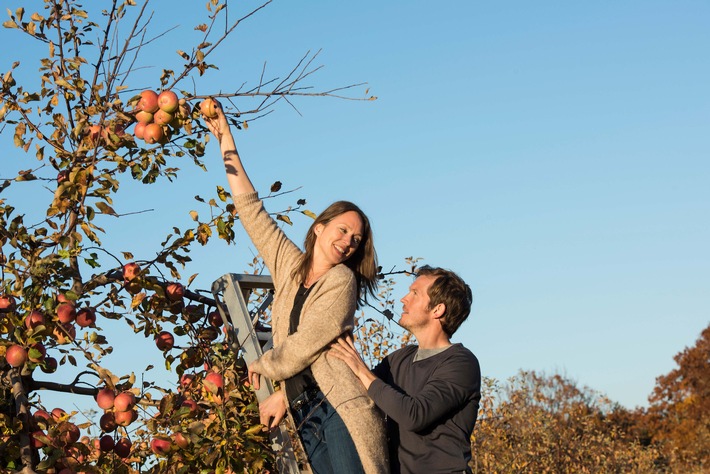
x=85 y=120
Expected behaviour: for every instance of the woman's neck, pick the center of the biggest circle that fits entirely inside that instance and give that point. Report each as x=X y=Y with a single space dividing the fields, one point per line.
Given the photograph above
x=315 y=273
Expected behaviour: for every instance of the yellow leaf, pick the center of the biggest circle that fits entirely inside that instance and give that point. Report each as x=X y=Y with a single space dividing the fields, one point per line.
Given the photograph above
x=254 y=430
x=309 y=213
x=137 y=299
x=194 y=215
x=284 y=218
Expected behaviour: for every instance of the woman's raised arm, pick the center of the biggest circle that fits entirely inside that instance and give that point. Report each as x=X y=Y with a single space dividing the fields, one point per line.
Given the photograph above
x=237 y=178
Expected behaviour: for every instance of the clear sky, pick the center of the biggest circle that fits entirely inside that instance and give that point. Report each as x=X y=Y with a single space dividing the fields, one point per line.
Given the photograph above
x=555 y=154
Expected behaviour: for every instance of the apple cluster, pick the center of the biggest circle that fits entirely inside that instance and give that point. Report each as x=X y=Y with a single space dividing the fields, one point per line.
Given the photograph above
x=54 y=430
x=155 y=113
x=40 y=325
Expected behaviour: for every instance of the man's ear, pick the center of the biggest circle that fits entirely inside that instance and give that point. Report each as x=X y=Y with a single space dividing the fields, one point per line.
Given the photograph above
x=439 y=311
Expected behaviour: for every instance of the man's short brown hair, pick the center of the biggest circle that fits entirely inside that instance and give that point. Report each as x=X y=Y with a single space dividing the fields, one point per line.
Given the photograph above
x=450 y=289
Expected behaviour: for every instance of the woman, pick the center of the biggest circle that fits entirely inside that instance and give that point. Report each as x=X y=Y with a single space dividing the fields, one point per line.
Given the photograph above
x=316 y=295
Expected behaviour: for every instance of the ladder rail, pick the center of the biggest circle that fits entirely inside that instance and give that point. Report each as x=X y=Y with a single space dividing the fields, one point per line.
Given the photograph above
x=231 y=292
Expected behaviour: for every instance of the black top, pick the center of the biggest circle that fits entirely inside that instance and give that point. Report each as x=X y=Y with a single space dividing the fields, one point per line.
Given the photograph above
x=431 y=406
x=303 y=380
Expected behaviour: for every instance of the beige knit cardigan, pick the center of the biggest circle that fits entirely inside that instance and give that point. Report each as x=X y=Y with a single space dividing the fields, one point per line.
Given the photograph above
x=327 y=313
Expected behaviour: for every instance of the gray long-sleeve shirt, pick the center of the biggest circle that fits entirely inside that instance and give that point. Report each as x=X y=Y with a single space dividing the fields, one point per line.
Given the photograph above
x=431 y=406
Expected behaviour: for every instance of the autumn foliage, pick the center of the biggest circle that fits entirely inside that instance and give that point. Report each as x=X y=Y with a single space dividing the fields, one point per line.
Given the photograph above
x=86 y=120
x=547 y=424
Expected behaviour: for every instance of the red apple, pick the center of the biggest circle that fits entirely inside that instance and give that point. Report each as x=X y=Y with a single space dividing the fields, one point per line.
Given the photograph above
x=168 y=101
x=160 y=446
x=144 y=117
x=130 y=271
x=215 y=319
x=16 y=355
x=34 y=319
x=125 y=418
x=62 y=176
x=153 y=133
x=122 y=448
x=66 y=313
x=190 y=404
x=104 y=398
x=186 y=380
x=165 y=341
x=38 y=439
x=106 y=443
x=50 y=365
x=139 y=129
x=162 y=117
x=181 y=440
x=62 y=298
x=69 y=432
x=95 y=133
x=7 y=303
x=175 y=291
x=148 y=101
x=214 y=382
x=41 y=418
x=37 y=353
x=86 y=317
x=124 y=401
x=58 y=414
x=208 y=107
x=107 y=422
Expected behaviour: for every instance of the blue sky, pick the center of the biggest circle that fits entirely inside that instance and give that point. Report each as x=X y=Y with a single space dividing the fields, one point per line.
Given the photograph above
x=554 y=154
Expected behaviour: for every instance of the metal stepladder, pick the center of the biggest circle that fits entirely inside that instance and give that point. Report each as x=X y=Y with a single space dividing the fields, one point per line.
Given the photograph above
x=231 y=293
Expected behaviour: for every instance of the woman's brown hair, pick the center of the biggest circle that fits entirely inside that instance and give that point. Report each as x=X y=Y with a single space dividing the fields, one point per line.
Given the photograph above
x=363 y=262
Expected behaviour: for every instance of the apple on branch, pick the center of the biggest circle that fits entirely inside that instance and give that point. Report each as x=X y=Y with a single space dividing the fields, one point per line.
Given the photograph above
x=148 y=102
x=86 y=317
x=208 y=107
x=124 y=401
x=153 y=133
x=34 y=319
x=168 y=101
x=105 y=397
x=122 y=448
x=165 y=341
x=16 y=355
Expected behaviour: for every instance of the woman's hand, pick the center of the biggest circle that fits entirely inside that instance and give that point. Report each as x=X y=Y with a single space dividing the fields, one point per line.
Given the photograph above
x=273 y=409
x=254 y=378
x=236 y=175
x=218 y=124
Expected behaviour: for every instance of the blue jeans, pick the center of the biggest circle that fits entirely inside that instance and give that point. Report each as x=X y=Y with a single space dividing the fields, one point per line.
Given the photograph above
x=325 y=438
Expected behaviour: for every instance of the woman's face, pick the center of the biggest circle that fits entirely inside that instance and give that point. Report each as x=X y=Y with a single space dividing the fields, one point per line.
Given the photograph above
x=338 y=240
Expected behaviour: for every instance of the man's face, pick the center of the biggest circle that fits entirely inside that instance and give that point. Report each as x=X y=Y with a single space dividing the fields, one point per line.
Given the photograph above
x=415 y=304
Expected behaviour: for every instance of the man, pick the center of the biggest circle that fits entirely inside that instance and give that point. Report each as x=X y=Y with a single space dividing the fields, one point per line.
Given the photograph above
x=430 y=392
